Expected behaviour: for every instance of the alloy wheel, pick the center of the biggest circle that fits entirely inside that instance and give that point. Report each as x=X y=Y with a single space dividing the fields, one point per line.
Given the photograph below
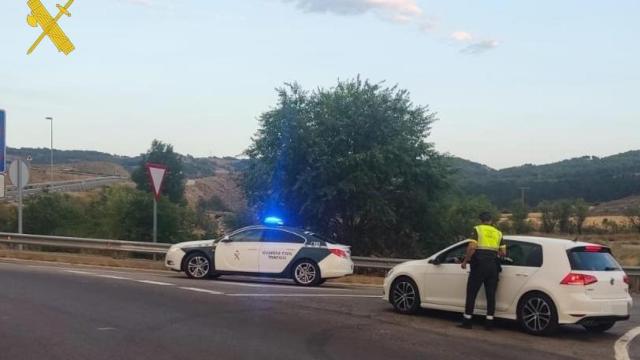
x=305 y=273
x=198 y=266
x=536 y=314
x=404 y=296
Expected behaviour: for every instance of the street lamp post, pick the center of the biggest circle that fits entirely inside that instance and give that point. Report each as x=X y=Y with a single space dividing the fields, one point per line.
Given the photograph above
x=51 y=168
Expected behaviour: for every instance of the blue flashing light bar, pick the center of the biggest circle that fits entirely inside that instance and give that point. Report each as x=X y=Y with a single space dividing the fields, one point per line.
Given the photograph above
x=273 y=220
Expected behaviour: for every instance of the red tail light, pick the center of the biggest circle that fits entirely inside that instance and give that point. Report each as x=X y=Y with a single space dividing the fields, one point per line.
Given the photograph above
x=339 y=252
x=593 y=248
x=626 y=279
x=578 y=279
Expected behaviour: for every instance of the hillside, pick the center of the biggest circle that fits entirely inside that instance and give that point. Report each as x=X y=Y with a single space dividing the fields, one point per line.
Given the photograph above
x=193 y=167
x=589 y=177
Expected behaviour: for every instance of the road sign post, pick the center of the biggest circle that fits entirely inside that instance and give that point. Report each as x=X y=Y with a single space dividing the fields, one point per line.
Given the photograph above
x=156 y=174
x=3 y=142
x=19 y=175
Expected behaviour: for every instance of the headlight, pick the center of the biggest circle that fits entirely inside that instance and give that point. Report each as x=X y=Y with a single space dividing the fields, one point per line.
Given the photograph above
x=390 y=272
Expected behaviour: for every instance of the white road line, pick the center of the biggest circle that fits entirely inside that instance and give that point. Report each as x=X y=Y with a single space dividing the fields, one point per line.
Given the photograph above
x=112 y=277
x=79 y=272
x=307 y=295
x=212 y=292
x=154 y=282
x=621 y=347
x=274 y=285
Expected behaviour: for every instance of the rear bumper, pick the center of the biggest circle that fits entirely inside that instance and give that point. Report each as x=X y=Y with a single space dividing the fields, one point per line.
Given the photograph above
x=581 y=308
x=333 y=267
x=595 y=320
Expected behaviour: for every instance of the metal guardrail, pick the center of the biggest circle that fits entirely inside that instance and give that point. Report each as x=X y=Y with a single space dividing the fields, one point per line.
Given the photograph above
x=149 y=248
x=67 y=185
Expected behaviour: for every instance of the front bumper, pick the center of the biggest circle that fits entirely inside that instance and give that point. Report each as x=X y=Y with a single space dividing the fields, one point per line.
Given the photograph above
x=173 y=259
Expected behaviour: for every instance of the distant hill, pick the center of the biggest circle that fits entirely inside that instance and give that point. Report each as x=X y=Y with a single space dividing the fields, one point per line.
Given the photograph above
x=589 y=177
x=193 y=167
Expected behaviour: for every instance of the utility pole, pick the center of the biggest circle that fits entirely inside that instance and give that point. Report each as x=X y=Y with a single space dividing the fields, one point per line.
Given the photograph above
x=51 y=168
x=522 y=191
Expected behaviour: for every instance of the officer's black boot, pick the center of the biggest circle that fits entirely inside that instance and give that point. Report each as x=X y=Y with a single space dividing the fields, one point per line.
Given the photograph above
x=466 y=324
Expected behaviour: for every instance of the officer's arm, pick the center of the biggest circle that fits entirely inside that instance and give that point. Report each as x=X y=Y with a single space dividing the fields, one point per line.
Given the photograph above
x=471 y=248
x=503 y=248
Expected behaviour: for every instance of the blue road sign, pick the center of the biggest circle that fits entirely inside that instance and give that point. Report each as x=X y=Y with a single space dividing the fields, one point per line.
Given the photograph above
x=3 y=142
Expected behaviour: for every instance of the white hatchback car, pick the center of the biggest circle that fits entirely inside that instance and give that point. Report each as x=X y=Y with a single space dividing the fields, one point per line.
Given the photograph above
x=263 y=250
x=544 y=283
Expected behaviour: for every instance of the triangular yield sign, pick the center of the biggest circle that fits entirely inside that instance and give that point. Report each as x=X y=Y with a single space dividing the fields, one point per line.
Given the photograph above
x=156 y=175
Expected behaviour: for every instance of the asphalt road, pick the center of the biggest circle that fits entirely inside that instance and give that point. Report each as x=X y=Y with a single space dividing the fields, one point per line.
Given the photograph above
x=67 y=312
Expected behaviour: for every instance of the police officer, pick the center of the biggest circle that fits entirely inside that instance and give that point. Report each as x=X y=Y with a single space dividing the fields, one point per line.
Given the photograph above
x=482 y=253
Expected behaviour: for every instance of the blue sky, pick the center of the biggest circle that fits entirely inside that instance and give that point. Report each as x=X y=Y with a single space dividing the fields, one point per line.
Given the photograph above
x=512 y=81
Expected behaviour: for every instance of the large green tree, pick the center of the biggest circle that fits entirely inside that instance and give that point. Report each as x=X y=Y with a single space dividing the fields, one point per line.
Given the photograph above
x=161 y=153
x=352 y=162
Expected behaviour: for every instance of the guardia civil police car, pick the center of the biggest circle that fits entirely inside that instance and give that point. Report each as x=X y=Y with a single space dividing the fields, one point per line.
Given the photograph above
x=264 y=250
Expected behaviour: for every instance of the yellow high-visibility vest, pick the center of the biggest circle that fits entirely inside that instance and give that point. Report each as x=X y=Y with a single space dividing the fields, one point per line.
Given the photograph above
x=489 y=238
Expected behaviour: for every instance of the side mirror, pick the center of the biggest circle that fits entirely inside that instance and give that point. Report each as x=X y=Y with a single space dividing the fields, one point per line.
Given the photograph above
x=434 y=261
x=225 y=239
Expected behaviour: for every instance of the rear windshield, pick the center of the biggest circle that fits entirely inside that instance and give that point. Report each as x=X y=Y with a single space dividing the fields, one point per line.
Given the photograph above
x=592 y=258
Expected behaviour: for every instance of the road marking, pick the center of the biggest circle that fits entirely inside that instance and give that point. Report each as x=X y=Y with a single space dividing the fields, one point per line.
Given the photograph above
x=79 y=272
x=112 y=277
x=307 y=295
x=621 y=347
x=202 y=290
x=275 y=285
x=106 y=329
x=154 y=282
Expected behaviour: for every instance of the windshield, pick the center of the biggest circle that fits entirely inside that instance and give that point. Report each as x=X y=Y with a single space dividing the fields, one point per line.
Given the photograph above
x=592 y=258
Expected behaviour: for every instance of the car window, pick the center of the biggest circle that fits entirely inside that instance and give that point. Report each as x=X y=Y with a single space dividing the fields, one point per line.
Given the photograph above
x=280 y=236
x=523 y=254
x=453 y=256
x=592 y=258
x=247 y=236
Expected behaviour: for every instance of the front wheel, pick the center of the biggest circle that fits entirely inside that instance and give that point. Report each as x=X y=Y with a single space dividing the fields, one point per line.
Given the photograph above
x=537 y=314
x=599 y=328
x=197 y=266
x=306 y=273
x=405 y=296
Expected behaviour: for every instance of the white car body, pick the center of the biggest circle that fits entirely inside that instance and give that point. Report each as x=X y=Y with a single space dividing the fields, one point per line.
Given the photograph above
x=443 y=285
x=264 y=251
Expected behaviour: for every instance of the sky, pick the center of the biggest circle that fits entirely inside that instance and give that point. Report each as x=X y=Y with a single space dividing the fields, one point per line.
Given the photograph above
x=512 y=82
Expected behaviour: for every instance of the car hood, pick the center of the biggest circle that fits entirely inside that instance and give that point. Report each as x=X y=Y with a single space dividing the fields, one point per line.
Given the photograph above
x=197 y=243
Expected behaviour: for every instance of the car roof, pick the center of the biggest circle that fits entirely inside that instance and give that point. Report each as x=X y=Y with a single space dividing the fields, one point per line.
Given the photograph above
x=564 y=243
x=296 y=231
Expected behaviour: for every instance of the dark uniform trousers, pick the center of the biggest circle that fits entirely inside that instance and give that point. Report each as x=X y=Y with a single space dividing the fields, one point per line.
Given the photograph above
x=484 y=271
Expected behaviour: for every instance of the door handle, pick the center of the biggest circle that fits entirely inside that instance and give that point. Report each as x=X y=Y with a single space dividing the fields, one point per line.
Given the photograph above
x=522 y=275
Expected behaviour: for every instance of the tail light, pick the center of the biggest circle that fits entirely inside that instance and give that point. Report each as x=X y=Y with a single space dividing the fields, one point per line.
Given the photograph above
x=339 y=252
x=578 y=279
x=626 y=279
x=593 y=248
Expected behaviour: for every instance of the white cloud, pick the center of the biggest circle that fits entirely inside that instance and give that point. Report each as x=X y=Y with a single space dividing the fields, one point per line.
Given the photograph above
x=395 y=10
x=461 y=36
x=147 y=3
x=480 y=47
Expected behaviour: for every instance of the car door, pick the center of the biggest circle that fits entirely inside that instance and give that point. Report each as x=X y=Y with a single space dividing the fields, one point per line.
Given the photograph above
x=522 y=260
x=445 y=280
x=239 y=252
x=277 y=250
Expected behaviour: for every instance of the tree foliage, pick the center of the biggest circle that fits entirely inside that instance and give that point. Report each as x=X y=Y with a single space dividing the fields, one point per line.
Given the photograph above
x=633 y=215
x=350 y=161
x=161 y=153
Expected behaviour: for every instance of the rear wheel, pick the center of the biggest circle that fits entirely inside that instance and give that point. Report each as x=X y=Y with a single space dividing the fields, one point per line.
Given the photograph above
x=306 y=273
x=197 y=266
x=537 y=314
x=405 y=296
x=599 y=328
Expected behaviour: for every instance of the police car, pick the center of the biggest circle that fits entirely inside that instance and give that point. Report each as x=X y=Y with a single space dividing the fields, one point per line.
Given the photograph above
x=264 y=250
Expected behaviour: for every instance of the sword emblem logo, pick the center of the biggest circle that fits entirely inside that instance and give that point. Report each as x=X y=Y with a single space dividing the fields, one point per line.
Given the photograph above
x=49 y=25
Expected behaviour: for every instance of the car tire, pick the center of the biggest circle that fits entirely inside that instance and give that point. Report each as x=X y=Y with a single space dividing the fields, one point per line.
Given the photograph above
x=306 y=273
x=197 y=266
x=599 y=328
x=537 y=314
x=404 y=295
x=322 y=281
